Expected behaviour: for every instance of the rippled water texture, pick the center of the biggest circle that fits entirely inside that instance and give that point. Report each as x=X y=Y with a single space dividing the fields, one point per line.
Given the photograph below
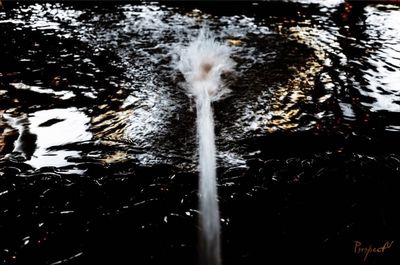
x=98 y=137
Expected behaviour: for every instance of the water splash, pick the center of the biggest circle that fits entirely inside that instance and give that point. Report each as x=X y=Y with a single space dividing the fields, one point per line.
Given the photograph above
x=203 y=63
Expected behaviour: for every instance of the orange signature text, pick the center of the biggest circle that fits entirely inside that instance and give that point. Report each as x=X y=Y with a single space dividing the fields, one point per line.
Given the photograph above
x=366 y=250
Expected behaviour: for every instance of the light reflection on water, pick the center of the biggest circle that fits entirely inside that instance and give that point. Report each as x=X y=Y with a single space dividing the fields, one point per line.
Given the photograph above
x=41 y=130
x=294 y=74
x=92 y=91
x=383 y=78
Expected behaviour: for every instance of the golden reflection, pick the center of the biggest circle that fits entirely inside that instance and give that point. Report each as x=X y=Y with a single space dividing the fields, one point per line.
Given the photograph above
x=111 y=124
x=197 y=14
x=118 y=156
x=234 y=42
x=110 y=127
x=285 y=104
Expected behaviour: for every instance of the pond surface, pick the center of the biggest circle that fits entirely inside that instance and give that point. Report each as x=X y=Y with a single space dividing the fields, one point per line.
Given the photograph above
x=98 y=140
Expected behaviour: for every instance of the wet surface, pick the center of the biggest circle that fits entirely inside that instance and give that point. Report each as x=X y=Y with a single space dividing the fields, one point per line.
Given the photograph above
x=98 y=147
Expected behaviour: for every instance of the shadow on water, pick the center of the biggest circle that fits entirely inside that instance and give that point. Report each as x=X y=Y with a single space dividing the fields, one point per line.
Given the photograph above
x=98 y=146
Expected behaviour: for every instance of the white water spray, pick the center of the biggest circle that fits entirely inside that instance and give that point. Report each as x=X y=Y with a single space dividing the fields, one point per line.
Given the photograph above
x=202 y=63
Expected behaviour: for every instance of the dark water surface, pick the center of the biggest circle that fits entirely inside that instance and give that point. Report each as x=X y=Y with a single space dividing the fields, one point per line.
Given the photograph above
x=98 y=147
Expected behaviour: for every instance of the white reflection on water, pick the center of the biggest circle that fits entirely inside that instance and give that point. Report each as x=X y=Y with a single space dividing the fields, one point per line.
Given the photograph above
x=383 y=81
x=62 y=94
x=328 y=3
x=44 y=129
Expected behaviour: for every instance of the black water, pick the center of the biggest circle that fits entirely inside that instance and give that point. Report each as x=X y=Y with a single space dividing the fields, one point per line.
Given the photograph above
x=98 y=147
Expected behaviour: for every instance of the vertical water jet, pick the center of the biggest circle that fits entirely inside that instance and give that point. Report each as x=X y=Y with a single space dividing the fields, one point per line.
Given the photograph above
x=202 y=63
